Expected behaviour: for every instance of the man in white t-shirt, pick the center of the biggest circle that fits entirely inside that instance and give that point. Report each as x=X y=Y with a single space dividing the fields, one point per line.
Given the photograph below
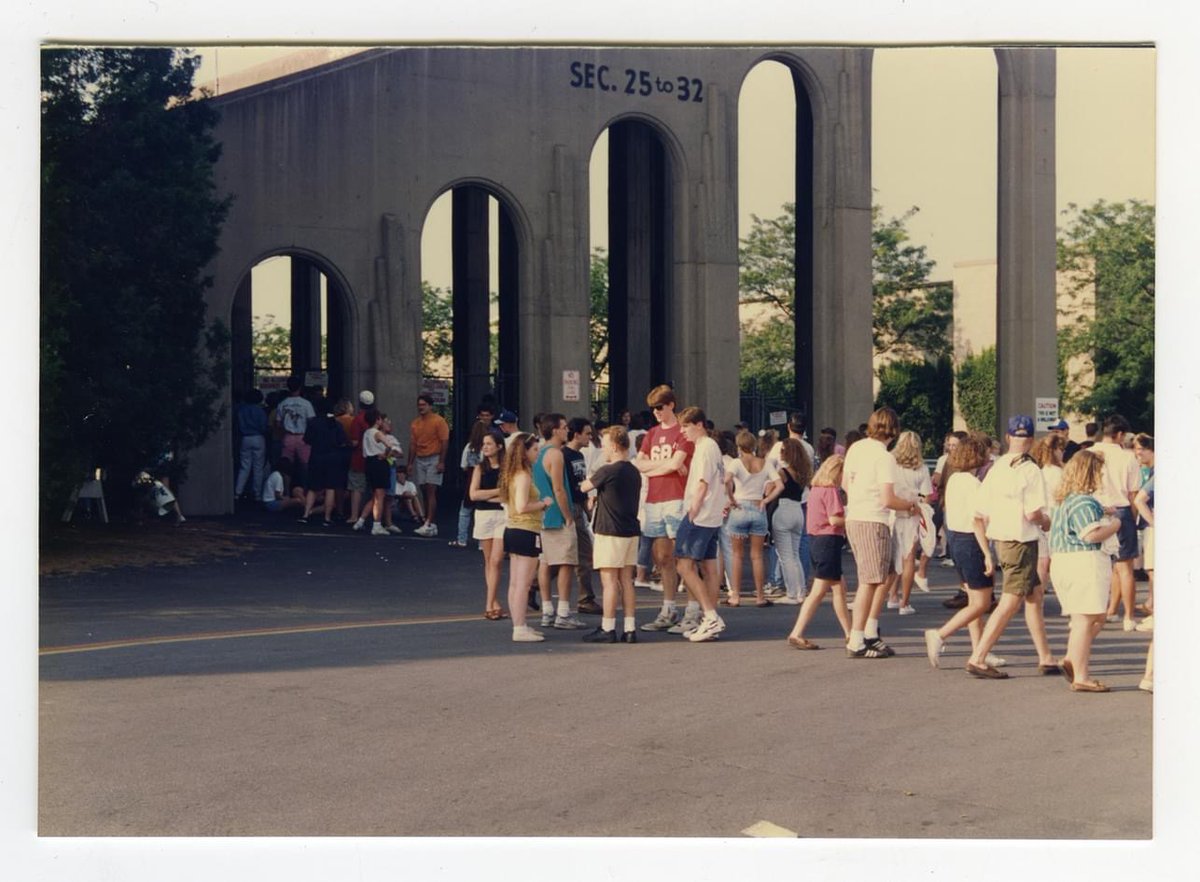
x=696 y=541
x=869 y=479
x=1012 y=500
x=1120 y=483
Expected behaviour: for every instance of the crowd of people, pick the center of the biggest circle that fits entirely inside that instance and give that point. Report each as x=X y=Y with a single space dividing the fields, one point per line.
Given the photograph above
x=677 y=507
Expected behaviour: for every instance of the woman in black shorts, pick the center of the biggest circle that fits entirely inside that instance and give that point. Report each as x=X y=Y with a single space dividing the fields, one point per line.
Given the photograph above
x=522 y=529
x=826 y=525
x=967 y=543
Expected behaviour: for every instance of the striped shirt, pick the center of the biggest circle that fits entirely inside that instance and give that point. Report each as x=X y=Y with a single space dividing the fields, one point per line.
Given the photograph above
x=1077 y=514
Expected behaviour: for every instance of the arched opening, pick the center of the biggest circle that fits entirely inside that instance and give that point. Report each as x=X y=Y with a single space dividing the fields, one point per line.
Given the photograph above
x=775 y=171
x=638 y=230
x=471 y=290
x=290 y=316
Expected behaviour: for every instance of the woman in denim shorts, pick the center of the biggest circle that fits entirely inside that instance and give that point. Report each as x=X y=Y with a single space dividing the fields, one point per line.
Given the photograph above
x=745 y=482
x=968 y=545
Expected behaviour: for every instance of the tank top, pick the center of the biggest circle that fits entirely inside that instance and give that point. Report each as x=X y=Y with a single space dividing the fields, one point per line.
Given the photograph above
x=531 y=521
x=553 y=517
x=791 y=487
x=489 y=479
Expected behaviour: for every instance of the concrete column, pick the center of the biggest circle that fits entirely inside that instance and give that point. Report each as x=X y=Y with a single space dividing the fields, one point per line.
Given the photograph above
x=842 y=348
x=803 y=365
x=469 y=234
x=241 y=323
x=638 y=352
x=1026 y=334
x=306 y=316
x=508 y=384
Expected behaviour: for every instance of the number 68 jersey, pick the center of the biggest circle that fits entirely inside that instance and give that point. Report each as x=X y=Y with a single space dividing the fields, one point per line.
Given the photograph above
x=659 y=444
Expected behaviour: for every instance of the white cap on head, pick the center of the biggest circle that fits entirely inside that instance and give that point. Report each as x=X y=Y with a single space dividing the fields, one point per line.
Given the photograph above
x=366 y=397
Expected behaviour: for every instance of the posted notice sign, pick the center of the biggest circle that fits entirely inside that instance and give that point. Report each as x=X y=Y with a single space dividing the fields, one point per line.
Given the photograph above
x=778 y=417
x=570 y=385
x=1046 y=413
x=437 y=389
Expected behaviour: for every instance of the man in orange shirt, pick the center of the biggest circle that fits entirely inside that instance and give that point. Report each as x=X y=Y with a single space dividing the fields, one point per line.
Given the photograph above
x=429 y=438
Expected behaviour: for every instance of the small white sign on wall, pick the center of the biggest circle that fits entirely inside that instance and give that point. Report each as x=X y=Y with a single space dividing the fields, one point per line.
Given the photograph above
x=570 y=386
x=1046 y=413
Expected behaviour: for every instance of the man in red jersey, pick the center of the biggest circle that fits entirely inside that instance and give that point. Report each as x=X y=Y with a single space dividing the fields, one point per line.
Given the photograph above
x=663 y=458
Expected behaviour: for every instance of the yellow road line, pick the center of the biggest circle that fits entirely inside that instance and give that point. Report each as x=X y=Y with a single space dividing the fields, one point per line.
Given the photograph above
x=270 y=632
x=252 y=632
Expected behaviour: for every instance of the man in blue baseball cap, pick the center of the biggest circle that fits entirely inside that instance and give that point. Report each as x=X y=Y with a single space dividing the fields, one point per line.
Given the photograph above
x=1012 y=500
x=1063 y=430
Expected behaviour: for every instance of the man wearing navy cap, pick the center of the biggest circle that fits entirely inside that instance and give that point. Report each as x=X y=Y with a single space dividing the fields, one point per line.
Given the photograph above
x=1012 y=500
x=1063 y=429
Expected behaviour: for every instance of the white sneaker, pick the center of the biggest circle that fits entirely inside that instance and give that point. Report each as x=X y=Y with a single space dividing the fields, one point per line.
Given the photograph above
x=995 y=661
x=426 y=530
x=394 y=530
x=526 y=634
x=662 y=622
x=947 y=562
x=568 y=623
x=548 y=620
x=922 y=582
x=771 y=590
x=1129 y=625
x=656 y=586
x=1146 y=624
x=689 y=623
x=907 y=610
x=788 y=601
x=707 y=630
x=378 y=530
x=641 y=583
x=359 y=524
x=934 y=646
x=893 y=604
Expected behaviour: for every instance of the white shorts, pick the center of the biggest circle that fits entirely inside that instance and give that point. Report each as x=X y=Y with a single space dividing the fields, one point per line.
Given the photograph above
x=614 y=552
x=425 y=470
x=489 y=524
x=1081 y=581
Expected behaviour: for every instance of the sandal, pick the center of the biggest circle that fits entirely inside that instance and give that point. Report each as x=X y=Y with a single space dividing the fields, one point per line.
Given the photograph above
x=1068 y=671
x=1094 y=686
x=763 y=602
x=801 y=643
x=725 y=601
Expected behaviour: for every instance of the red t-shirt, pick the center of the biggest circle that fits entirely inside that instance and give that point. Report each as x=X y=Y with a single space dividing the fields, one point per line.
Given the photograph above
x=357 y=464
x=659 y=444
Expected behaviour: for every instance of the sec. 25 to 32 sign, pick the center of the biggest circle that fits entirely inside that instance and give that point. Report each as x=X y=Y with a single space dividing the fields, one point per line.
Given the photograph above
x=588 y=75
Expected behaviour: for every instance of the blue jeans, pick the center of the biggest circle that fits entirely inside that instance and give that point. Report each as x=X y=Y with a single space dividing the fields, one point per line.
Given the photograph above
x=464 y=523
x=726 y=553
x=787 y=527
x=645 y=553
x=252 y=458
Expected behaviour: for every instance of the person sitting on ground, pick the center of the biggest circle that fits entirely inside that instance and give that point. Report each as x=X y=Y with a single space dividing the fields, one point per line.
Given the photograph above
x=274 y=497
x=408 y=500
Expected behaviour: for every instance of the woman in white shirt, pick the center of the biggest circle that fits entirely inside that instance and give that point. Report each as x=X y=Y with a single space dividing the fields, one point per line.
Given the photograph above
x=745 y=479
x=967 y=542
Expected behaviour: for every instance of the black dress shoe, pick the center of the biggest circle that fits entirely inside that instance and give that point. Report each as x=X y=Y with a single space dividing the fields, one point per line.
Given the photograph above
x=599 y=635
x=958 y=601
x=629 y=637
x=590 y=607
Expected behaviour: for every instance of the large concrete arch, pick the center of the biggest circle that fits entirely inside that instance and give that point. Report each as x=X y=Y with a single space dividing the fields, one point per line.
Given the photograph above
x=344 y=161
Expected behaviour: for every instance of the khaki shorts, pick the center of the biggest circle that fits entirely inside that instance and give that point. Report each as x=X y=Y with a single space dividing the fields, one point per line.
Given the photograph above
x=1017 y=561
x=560 y=546
x=614 y=552
x=425 y=471
x=357 y=481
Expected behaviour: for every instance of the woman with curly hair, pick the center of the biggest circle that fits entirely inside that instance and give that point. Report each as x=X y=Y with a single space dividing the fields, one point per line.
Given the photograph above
x=1082 y=572
x=1047 y=452
x=522 y=529
x=788 y=485
x=912 y=485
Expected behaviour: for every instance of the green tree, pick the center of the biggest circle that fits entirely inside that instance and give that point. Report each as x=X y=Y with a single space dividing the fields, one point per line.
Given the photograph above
x=437 y=328
x=910 y=316
x=976 y=381
x=129 y=219
x=598 y=314
x=1108 y=248
x=271 y=344
x=922 y=392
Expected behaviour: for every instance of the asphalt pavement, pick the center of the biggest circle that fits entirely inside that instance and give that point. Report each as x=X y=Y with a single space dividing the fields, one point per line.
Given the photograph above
x=328 y=683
